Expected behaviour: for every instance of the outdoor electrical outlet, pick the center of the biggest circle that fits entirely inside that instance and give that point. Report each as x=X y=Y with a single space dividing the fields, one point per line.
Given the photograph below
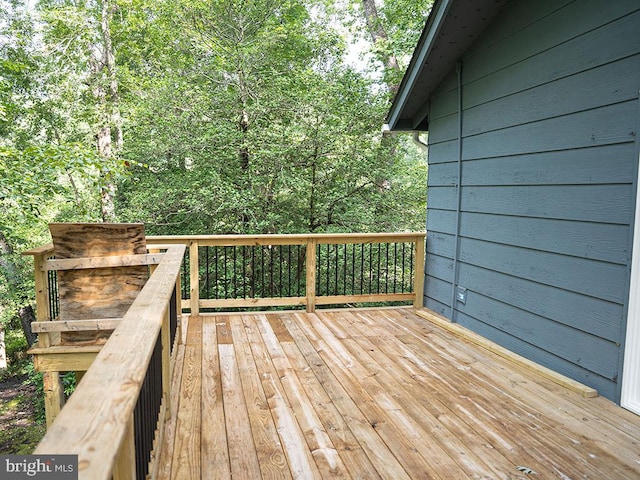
x=461 y=294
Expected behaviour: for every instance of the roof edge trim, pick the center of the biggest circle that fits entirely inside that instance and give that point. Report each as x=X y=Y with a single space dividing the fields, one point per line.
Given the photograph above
x=415 y=67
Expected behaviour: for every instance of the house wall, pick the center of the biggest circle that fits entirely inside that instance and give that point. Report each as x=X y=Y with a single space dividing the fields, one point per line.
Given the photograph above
x=549 y=164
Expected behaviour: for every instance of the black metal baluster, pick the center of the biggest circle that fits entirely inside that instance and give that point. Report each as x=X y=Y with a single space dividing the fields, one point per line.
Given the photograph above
x=404 y=261
x=370 y=268
x=185 y=275
x=263 y=279
x=361 y=268
x=395 y=266
x=216 y=273
x=280 y=261
x=327 y=273
x=173 y=318
x=386 y=279
x=234 y=280
x=344 y=270
x=244 y=271
x=353 y=269
x=378 y=274
x=207 y=286
x=271 y=283
x=335 y=249
x=411 y=259
x=300 y=258
x=253 y=272
x=289 y=270
x=224 y=255
x=54 y=295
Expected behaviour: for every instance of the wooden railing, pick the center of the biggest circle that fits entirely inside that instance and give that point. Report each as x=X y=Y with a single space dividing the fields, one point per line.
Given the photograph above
x=240 y=271
x=120 y=406
x=114 y=418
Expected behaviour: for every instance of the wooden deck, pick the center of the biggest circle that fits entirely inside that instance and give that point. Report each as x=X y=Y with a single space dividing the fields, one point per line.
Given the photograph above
x=379 y=393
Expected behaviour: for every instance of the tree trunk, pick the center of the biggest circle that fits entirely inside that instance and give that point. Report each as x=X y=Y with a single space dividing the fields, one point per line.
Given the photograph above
x=109 y=136
x=379 y=35
x=27 y=315
x=3 y=350
x=108 y=188
x=109 y=62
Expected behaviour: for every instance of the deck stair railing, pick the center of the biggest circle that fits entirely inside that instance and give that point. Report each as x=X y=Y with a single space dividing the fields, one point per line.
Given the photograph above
x=116 y=415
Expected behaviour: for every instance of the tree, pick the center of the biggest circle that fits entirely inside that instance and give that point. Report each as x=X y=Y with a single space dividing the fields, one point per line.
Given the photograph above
x=45 y=172
x=105 y=90
x=393 y=28
x=240 y=117
x=77 y=36
x=256 y=126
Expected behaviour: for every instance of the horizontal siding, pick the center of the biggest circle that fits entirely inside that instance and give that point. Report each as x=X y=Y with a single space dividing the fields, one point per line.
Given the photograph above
x=538 y=330
x=578 y=310
x=550 y=112
x=524 y=50
x=510 y=23
x=590 y=241
x=605 y=387
x=583 y=313
x=554 y=99
x=603 y=126
x=582 y=239
x=576 y=38
x=585 y=166
x=589 y=203
x=576 y=274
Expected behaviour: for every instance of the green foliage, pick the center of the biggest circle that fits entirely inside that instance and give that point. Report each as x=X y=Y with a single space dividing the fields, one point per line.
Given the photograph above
x=18 y=362
x=35 y=378
x=401 y=20
x=238 y=117
x=262 y=129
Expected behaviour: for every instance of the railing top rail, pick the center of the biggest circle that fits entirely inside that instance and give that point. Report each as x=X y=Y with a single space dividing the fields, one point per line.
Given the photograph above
x=41 y=250
x=288 y=239
x=95 y=419
x=264 y=239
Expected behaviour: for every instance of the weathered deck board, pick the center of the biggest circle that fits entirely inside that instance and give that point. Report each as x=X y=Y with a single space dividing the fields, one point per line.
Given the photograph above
x=377 y=393
x=214 y=451
x=186 y=462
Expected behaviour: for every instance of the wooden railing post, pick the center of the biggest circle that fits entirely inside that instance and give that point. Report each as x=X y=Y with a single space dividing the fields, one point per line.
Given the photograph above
x=125 y=464
x=311 y=274
x=53 y=395
x=52 y=383
x=42 y=296
x=418 y=281
x=194 y=277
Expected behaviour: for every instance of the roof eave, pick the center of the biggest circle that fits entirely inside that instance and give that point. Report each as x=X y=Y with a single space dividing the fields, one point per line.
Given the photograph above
x=451 y=28
x=418 y=60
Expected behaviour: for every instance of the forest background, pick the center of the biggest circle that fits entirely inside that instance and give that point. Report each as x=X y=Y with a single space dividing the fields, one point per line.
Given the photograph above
x=200 y=117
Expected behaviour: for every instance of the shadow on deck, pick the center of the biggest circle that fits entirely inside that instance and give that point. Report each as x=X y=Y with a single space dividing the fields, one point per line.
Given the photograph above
x=376 y=393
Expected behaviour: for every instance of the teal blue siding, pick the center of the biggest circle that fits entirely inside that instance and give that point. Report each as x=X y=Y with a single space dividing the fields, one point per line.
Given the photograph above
x=549 y=162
